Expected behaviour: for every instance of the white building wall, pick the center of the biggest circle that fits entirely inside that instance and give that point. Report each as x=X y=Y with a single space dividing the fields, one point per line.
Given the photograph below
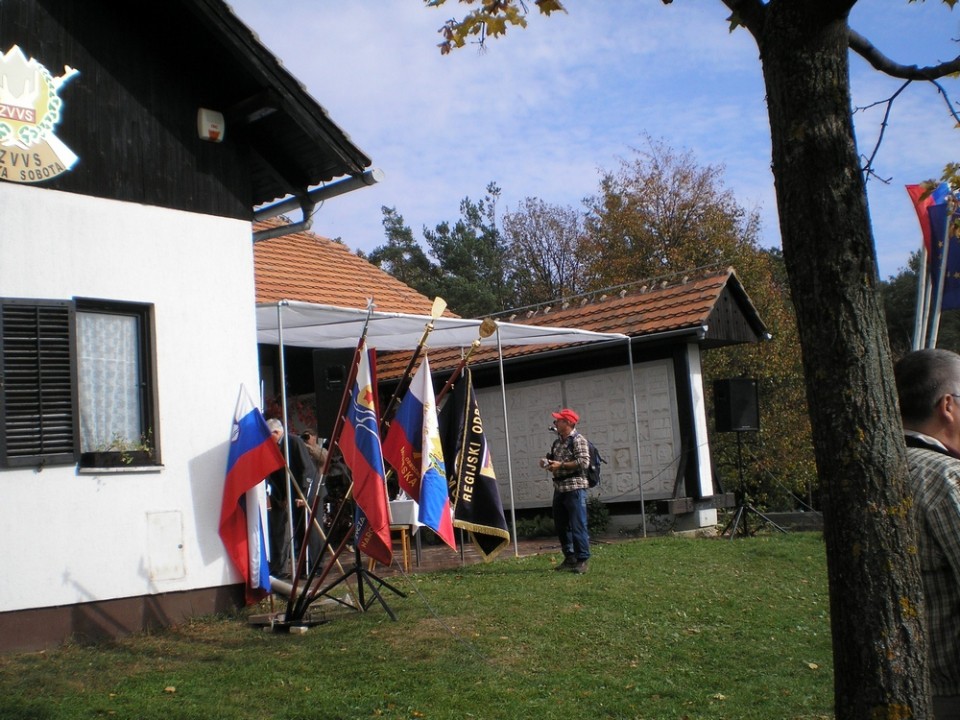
x=71 y=538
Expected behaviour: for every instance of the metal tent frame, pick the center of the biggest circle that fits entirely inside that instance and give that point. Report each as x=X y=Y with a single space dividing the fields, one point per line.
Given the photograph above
x=300 y=324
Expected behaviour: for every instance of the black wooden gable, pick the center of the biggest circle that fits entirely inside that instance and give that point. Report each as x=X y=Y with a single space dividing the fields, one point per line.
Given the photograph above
x=733 y=319
x=145 y=69
x=293 y=141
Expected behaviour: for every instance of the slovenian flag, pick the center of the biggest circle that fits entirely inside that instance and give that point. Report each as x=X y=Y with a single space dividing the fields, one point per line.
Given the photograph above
x=253 y=455
x=413 y=448
x=360 y=444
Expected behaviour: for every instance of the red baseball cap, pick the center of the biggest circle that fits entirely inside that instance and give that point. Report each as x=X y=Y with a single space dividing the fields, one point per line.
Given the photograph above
x=567 y=414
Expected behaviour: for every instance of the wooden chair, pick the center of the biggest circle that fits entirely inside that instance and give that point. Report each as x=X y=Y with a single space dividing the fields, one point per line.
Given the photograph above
x=404 y=531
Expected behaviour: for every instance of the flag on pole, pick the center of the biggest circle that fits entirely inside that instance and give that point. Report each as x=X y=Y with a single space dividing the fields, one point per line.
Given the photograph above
x=360 y=445
x=938 y=279
x=941 y=217
x=413 y=448
x=253 y=455
x=477 y=505
x=935 y=196
x=258 y=537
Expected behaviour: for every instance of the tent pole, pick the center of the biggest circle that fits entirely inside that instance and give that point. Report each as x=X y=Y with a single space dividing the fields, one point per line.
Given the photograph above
x=506 y=437
x=286 y=430
x=636 y=429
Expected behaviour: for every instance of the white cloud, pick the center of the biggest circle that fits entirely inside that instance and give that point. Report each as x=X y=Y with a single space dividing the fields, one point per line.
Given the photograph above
x=543 y=109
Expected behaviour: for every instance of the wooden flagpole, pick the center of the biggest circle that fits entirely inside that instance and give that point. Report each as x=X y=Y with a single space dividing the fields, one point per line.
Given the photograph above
x=487 y=328
x=439 y=305
x=293 y=602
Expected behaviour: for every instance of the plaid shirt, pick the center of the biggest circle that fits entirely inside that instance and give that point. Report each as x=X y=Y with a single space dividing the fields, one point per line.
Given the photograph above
x=935 y=479
x=560 y=450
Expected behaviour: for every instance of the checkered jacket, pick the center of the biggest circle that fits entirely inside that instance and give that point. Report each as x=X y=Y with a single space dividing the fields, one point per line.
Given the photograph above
x=935 y=480
x=561 y=450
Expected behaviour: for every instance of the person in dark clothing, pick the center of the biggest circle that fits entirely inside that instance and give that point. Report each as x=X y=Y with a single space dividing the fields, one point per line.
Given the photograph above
x=303 y=472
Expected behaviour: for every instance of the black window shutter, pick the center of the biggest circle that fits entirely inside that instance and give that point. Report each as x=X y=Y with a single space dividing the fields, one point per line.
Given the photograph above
x=38 y=406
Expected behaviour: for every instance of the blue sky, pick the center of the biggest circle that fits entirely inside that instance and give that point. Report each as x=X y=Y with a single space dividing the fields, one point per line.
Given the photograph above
x=543 y=111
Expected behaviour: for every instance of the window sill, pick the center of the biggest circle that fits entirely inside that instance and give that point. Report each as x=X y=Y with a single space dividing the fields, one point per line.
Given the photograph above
x=113 y=459
x=118 y=470
x=102 y=463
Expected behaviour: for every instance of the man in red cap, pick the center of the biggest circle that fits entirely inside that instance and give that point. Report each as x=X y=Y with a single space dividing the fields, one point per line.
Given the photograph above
x=569 y=460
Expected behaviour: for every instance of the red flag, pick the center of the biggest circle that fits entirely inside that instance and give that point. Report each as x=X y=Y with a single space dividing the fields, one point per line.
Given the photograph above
x=360 y=445
x=934 y=196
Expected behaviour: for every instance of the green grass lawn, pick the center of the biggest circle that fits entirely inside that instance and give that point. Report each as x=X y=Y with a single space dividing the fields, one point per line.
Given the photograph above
x=658 y=629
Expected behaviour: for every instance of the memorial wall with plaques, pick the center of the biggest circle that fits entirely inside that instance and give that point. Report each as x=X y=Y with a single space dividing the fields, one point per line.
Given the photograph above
x=645 y=449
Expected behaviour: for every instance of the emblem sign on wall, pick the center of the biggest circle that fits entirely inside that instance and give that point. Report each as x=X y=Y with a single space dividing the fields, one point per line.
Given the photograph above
x=30 y=108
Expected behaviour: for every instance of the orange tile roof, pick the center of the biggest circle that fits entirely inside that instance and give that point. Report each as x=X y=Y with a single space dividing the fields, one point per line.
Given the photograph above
x=701 y=306
x=641 y=308
x=306 y=267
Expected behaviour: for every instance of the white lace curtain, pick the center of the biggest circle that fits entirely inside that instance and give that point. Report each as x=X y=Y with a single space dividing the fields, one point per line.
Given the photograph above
x=109 y=372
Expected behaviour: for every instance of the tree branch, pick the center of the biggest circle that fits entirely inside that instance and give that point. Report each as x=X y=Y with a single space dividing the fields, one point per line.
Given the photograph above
x=865 y=49
x=748 y=13
x=946 y=99
x=868 y=171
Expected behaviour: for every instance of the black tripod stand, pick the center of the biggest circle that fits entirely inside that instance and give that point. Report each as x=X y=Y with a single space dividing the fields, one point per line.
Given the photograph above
x=739 y=519
x=364 y=576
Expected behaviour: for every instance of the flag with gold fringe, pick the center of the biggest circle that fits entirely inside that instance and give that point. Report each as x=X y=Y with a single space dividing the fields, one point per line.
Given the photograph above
x=477 y=507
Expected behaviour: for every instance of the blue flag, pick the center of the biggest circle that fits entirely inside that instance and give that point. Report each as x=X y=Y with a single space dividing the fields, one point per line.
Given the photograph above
x=939 y=216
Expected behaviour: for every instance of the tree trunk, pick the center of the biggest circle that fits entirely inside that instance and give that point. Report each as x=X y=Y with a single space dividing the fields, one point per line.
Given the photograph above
x=875 y=590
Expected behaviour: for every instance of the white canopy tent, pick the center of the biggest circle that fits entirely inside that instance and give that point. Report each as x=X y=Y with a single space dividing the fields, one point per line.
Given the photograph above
x=302 y=324
x=324 y=326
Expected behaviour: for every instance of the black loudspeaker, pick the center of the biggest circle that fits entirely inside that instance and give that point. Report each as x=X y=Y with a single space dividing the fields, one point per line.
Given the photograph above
x=331 y=368
x=735 y=403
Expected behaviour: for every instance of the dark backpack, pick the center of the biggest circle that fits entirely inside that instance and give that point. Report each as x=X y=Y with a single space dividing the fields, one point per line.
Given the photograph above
x=593 y=472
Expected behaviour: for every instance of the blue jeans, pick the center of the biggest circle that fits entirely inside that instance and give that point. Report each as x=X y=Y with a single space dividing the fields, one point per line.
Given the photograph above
x=570 y=517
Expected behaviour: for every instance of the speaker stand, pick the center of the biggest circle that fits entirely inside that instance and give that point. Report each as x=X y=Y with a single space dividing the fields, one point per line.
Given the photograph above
x=739 y=519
